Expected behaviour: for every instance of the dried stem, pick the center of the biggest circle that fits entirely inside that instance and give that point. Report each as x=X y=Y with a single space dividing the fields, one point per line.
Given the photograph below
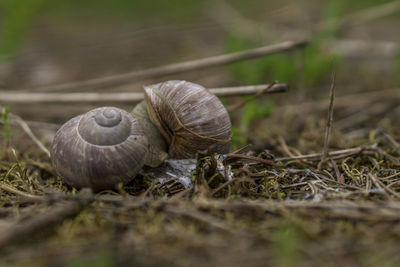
x=17 y=192
x=391 y=140
x=54 y=216
x=369 y=14
x=259 y=93
x=330 y=116
x=336 y=154
x=16 y=119
x=251 y=158
x=198 y=64
x=380 y=185
x=12 y=97
x=201 y=217
x=29 y=132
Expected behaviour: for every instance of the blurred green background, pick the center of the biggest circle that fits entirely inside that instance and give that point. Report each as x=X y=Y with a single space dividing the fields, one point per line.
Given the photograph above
x=82 y=39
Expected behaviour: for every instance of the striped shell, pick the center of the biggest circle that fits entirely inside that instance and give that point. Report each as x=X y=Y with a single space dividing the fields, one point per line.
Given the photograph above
x=99 y=149
x=190 y=118
x=157 y=145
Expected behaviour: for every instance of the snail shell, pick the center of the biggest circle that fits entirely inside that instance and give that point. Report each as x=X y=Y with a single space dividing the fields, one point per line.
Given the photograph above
x=99 y=149
x=189 y=117
x=157 y=145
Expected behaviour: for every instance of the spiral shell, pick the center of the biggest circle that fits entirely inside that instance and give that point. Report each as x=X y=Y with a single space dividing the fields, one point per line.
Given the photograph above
x=189 y=117
x=99 y=149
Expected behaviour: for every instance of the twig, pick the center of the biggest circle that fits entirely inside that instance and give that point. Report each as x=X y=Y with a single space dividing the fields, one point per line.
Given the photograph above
x=316 y=156
x=259 y=93
x=352 y=48
x=222 y=186
x=243 y=149
x=241 y=156
x=42 y=125
x=380 y=185
x=29 y=132
x=15 y=191
x=330 y=116
x=201 y=217
x=54 y=216
x=328 y=209
x=293 y=185
x=364 y=211
x=339 y=176
x=284 y=146
x=357 y=99
x=391 y=140
x=176 y=68
x=12 y=97
x=369 y=14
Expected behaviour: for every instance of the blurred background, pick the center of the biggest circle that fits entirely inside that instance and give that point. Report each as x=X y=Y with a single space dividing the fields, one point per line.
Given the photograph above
x=45 y=43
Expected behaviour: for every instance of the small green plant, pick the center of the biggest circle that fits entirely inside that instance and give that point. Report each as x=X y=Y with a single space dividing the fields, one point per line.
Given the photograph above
x=6 y=125
x=238 y=140
x=316 y=64
x=273 y=67
x=309 y=65
x=251 y=111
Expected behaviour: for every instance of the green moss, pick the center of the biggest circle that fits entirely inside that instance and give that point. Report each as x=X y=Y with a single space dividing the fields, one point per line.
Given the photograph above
x=287 y=244
x=103 y=259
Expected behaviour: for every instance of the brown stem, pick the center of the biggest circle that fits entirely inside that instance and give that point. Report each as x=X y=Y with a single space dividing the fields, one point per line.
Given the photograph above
x=53 y=216
x=12 y=97
x=198 y=64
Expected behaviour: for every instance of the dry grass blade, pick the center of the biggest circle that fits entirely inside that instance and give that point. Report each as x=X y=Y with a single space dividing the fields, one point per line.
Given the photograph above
x=244 y=102
x=247 y=157
x=379 y=184
x=17 y=192
x=370 y=14
x=330 y=116
x=54 y=216
x=337 y=154
x=201 y=217
x=29 y=132
x=18 y=97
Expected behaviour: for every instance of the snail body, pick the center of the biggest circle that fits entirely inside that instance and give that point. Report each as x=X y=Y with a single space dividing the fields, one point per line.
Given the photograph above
x=99 y=149
x=189 y=117
x=157 y=145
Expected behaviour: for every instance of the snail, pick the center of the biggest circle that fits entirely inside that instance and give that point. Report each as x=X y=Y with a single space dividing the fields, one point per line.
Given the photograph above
x=157 y=146
x=99 y=149
x=189 y=117
x=107 y=145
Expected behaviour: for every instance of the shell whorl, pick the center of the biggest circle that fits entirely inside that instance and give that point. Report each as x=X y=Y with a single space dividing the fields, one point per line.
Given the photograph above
x=99 y=149
x=108 y=117
x=105 y=126
x=190 y=118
